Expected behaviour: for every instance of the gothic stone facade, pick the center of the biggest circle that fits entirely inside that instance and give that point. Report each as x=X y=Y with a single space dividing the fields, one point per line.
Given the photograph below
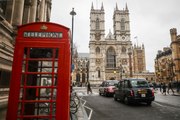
x=167 y=62
x=139 y=61
x=164 y=66
x=111 y=57
x=80 y=74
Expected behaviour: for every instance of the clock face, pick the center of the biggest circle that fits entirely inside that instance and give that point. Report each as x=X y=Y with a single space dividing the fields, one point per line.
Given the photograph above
x=98 y=36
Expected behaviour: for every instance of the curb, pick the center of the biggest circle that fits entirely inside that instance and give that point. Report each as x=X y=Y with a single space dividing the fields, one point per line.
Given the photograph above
x=175 y=93
x=167 y=105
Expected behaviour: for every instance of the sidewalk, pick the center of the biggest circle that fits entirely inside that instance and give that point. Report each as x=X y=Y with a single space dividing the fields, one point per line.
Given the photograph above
x=168 y=99
x=82 y=113
x=157 y=91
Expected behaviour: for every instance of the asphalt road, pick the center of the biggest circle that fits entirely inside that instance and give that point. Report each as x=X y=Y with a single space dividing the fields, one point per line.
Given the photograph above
x=105 y=108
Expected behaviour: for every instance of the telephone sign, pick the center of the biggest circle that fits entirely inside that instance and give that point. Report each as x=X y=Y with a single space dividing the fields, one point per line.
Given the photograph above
x=43 y=34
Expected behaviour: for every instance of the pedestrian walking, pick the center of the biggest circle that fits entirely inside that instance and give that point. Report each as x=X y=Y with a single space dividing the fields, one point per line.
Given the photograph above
x=170 y=87
x=89 y=88
x=160 y=87
x=164 y=88
x=154 y=86
x=178 y=86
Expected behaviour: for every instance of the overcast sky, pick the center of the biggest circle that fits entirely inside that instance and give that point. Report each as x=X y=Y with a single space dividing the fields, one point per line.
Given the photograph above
x=150 y=21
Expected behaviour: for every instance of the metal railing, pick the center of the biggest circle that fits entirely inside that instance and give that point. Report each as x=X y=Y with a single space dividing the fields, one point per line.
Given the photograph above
x=78 y=108
x=74 y=103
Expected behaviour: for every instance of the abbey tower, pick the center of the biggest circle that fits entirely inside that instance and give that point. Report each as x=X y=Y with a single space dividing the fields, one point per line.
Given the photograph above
x=110 y=56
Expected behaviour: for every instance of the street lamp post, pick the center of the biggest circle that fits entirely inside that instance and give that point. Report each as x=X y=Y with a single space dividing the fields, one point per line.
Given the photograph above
x=114 y=65
x=87 y=70
x=120 y=71
x=73 y=13
x=130 y=62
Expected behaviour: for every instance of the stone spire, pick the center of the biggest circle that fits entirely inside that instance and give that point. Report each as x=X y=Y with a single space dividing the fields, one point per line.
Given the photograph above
x=92 y=7
x=143 y=46
x=173 y=33
x=102 y=7
x=126 y=7
x=116 y=7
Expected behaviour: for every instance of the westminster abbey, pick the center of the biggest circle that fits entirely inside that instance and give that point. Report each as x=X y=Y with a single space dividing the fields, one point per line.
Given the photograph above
x=113 y=56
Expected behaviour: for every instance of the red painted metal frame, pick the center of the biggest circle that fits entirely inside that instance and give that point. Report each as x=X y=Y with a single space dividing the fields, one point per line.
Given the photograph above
x=63 y=73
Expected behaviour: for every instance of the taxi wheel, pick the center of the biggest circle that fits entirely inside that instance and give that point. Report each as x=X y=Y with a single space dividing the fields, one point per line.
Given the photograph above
x=126 y=101
x=149 y=103
x=106 y=94
x=121 y=100
x=115 y=98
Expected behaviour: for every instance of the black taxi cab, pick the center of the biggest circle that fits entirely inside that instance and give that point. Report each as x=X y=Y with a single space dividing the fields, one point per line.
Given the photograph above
x=133 y=90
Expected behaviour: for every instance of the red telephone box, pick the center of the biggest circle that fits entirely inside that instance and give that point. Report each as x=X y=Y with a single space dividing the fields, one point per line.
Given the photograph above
x=40 y=84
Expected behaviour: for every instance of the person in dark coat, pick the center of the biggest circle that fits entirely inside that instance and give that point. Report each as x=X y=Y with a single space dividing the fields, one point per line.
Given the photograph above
x=160 y=87
x=89 y=88
x=178 y=86
x=164 y=88
x=170 y=87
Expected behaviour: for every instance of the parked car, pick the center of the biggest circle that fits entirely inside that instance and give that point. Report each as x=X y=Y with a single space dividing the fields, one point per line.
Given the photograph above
x=107 y=87
x=133 y=90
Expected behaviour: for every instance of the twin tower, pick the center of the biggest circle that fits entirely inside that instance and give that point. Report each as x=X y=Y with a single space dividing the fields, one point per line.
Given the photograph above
x=112 y=56
x=121 y=25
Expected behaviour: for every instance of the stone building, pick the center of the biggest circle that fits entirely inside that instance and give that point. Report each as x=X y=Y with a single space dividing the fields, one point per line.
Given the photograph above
x=139 y=61
x=175 y=47
x=80 y=73
x=12 y=14
x=139 y=64
x=167 y=62
x=164 y=65
x=149 y=76
x=112 y=56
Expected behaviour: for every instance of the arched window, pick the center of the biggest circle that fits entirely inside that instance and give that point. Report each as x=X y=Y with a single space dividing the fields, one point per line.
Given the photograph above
x=97 y=50
x=83 y=77
x=122 y=24
x=99 y=73
x=111 y=58
x=97 y=24
x=78 y=77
